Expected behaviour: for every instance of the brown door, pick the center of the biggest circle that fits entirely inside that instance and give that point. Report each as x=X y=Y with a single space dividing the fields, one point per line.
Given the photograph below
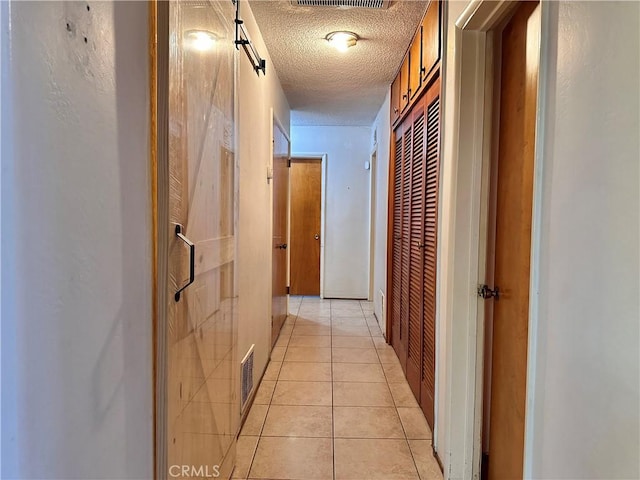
x=280 y=221
x=394 y=280
x=306 y=194
x=415 y=248
x=514 y=190
x=402 y=342
x=430 y=243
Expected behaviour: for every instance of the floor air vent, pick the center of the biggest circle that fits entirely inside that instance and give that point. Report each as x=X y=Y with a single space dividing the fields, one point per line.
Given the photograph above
x=342 y=3
x=246 y=377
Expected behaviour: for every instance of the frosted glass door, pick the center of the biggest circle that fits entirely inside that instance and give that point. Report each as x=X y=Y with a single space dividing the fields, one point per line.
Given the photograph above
x=200 y=332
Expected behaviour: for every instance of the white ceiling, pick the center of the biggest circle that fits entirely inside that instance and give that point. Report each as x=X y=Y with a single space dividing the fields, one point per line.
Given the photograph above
x=327 y=87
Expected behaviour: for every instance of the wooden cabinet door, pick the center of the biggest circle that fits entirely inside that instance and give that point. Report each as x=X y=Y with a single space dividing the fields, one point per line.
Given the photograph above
x=404 y=84
x=415 y=64
x=430 y=39
x=430 y=242
x=395 y=99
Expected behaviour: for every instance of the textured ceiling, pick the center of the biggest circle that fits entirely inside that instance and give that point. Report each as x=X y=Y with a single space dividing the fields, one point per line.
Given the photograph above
x=327 y=87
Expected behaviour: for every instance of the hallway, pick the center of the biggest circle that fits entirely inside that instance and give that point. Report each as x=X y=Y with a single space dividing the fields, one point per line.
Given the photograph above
x=332 y=400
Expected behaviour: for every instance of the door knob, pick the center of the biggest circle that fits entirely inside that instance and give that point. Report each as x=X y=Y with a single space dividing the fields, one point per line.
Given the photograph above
x=282 y=246
x=316 y=236
x=485 y=292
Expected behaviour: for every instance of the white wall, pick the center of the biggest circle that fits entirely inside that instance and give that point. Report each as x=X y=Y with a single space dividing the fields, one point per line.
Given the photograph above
x=382 y=126
x=585 y=391
x=346 y=247
x=76 y=264
x=256 y=96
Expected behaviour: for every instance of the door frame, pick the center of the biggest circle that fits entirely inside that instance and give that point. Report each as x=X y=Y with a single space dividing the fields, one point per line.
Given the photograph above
x=323 y=158
x=159 y=166
x=465 y=213
x=373 y=162
x=276 y=122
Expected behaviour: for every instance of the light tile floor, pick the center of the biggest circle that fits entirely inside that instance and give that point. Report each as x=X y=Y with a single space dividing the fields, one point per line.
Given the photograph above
x=334 y=404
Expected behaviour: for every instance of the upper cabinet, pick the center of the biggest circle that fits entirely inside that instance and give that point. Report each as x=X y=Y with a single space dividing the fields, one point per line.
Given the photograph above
x=430 y=38
x=395 y=99
x=419 y=64
x=415 y=64
x=404 y=83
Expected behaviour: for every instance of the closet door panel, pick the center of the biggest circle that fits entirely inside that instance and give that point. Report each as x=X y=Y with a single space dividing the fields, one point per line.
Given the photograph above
x=432 y=166
x=405 y=249
x=396 y=242
x=416 y=249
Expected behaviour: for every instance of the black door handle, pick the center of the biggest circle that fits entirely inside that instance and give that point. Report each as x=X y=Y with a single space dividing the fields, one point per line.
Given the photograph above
x=485 y=292
x=192 y=260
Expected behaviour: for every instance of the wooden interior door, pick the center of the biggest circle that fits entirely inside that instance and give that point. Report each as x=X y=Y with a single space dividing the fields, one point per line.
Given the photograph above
x=199 y=414
x=394 y=280
x=280 y=227
x=402 y=342
x=306 y=201
x=413 y=245
x=430 y=242
x=514 y=194
x=416 y=248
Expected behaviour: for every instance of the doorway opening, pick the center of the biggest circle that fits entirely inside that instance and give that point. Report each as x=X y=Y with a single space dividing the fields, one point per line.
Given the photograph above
x=475 y=117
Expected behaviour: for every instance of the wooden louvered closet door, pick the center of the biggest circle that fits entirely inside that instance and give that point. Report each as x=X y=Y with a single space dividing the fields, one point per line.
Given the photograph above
x=405 y=249
x=396 y=245
x=430 y=240
x=416 y=248
x=413 y=235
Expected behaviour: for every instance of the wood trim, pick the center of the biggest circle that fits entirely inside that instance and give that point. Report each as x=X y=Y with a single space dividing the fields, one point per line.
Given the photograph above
x=153 y=156
x=390 y=195
x=159 y=48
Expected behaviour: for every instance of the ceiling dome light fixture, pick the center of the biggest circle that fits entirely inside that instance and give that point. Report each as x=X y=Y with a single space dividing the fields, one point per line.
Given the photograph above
x=341 y=41
x=200 y=40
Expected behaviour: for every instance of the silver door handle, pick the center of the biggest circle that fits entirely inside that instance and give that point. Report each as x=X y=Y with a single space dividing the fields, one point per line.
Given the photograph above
x=316 y=236
x=192 y=260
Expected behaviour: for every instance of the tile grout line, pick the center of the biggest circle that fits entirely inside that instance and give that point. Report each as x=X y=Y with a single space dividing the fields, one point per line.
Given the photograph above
x=333 y=421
